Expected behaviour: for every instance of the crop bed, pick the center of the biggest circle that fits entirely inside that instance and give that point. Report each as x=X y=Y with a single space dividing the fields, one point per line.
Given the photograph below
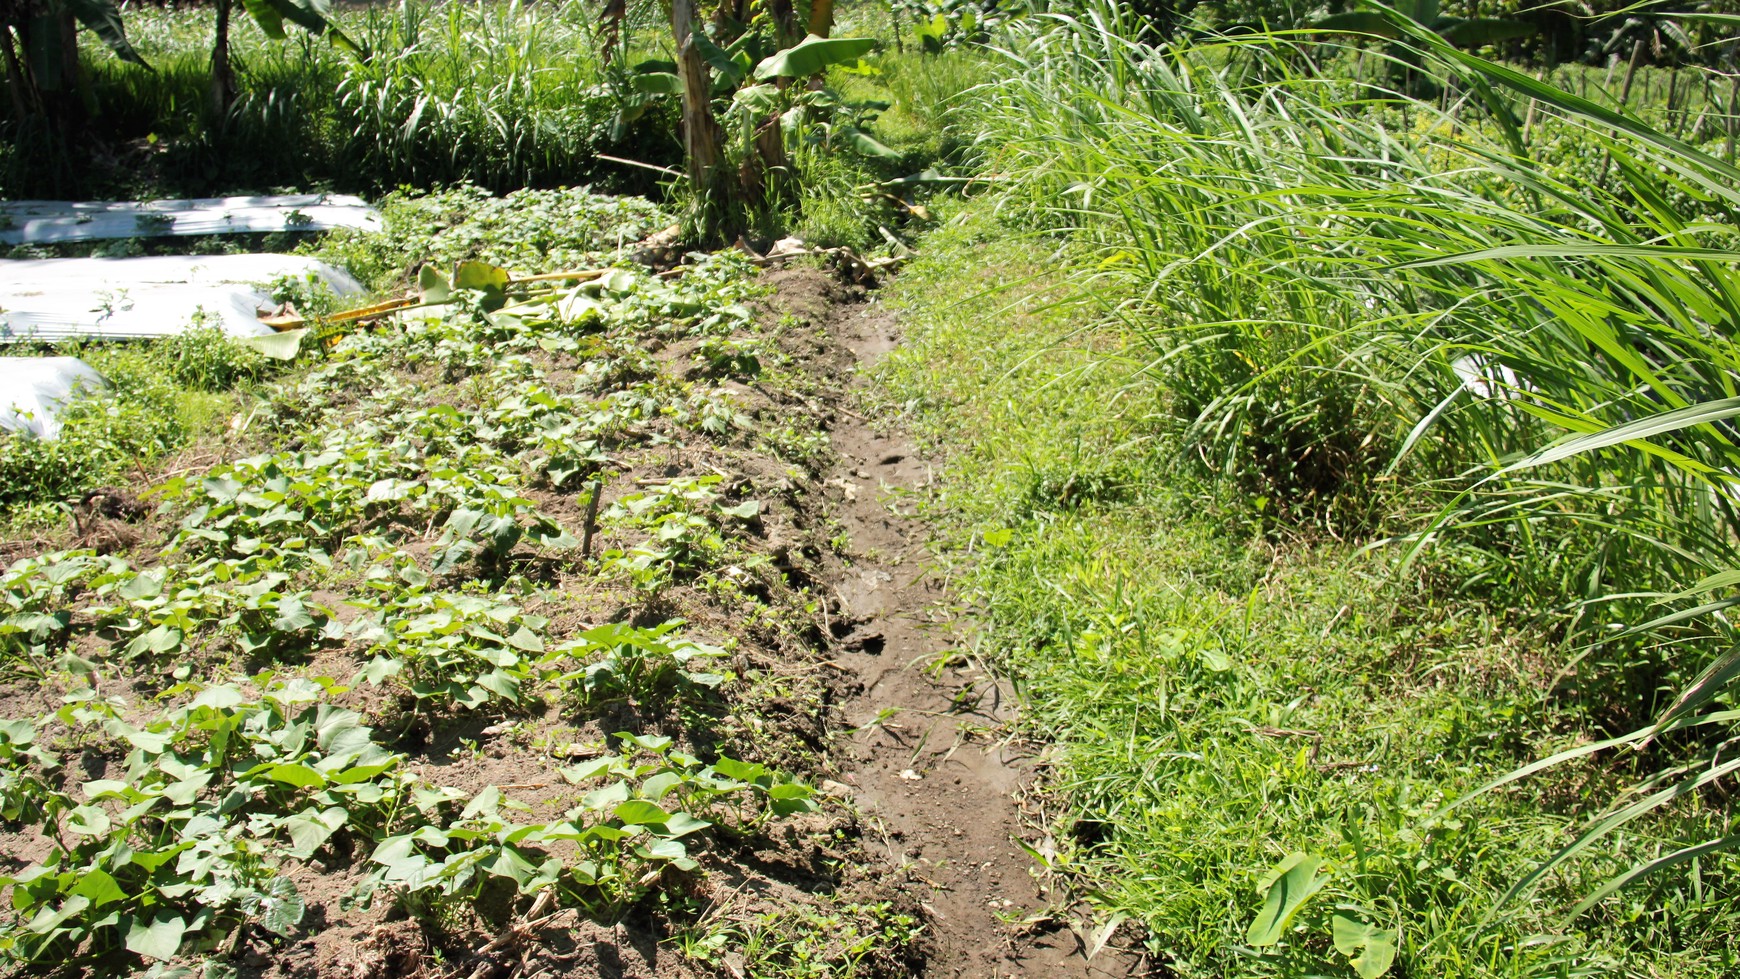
x=492 y=642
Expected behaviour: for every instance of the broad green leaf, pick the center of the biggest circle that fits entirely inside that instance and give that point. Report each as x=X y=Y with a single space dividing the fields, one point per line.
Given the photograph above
x=1371 y=950
x=814 y=55
x=730 y=72
x=682 y=824
x=267 y=16
x=99 y=887
x=282 y=908
x=222 y=696
x=284 y=345
x=88 y=821
x=657 y=83
x=159 y=938
x=606 y=798
x=864 y=144
x=300 y=775
x=479 y=275
x=660 y=785
x=1291 y=884
x=104 y=20
x=433 y=286
x=311 y=828
x=639 y=812
x=508 y=863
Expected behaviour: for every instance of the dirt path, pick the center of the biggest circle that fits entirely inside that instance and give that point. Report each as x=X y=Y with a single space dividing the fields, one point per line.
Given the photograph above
x=926 y=757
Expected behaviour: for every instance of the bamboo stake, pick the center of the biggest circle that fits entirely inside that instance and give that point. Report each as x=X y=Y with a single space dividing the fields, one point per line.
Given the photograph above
x=1631 y=73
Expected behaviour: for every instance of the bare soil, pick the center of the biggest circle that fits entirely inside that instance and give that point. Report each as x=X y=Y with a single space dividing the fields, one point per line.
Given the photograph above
x=924 y=748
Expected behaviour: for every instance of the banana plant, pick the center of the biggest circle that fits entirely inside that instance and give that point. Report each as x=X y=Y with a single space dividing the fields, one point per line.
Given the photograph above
x=313 y=16
x=739 y=101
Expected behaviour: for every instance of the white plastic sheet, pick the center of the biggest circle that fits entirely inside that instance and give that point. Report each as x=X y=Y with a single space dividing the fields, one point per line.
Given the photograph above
x=43 y=222
x=34 y=389
x=57 y=298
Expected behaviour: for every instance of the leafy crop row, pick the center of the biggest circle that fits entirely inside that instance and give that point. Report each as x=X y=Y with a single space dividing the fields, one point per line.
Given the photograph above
x=397 y=498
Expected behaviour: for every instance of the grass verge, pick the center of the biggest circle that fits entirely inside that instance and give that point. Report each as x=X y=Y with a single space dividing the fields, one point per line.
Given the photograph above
x=1224 y=707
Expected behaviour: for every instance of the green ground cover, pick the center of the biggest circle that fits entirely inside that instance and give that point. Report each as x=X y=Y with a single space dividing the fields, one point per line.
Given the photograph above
x=1216 y=699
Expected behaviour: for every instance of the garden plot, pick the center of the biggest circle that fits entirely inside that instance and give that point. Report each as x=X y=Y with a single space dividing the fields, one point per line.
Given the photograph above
x=57 y=298
x=50 y=222
x=498 y=639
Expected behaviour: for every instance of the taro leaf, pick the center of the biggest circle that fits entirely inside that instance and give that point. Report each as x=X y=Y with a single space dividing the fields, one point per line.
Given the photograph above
x=159 y=938
x=220 y=696
x=399 y=855
x=453 y=555
x=1293 y=881
x=1370 y=949
x=162 y=639
x=813 y=55
x=508 y=863
x=485 y=803
x=739 y=771
x=673 y=851
x=17 y=732
x=282 y=908
x=503 y=685
x=659 y=786
x=146 y=584
x=504 y=533
x=747 y=510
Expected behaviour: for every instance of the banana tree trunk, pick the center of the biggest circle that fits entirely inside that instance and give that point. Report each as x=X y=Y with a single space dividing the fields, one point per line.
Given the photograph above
x=703 y=140
x=822 y=17
x=223 y=77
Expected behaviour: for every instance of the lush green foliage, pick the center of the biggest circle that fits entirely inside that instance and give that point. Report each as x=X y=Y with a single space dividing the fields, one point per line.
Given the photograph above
x=505 y=95
x=1378 y=315
x=1220 y=704
x=402 y=469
